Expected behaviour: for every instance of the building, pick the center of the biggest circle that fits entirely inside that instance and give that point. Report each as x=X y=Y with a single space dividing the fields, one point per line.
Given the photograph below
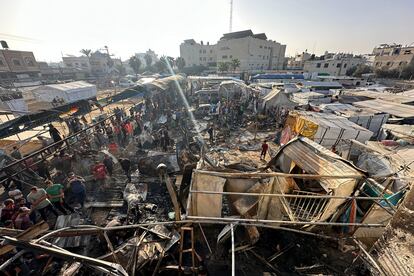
x=254 y=51
x=196 y=54
x=332 y=64
x=49 y=72
x=101 y=63
x=151 y=53
x=81 y=63
x=393 y=56
x=18 y=66
x=298 y=61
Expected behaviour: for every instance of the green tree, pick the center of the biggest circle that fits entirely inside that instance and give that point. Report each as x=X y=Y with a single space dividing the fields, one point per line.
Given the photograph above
x=223 y=66
x=159 y=66
x=121 y=69
x=351 y=71
x=135 y=63
x=235 y=63
x=148 y=60
x=180 y=62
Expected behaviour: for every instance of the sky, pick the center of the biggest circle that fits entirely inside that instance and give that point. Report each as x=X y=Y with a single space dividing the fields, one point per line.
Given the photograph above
x=51 y=28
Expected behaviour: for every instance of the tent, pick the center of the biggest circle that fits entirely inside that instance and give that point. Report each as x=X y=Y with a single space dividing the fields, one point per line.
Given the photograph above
x=277 y=98
x=68 y=92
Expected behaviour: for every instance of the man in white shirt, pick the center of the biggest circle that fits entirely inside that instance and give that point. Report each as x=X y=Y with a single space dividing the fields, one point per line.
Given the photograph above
x=38 y=198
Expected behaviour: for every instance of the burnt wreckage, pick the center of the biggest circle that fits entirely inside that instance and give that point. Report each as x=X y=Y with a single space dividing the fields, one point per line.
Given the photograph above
x=189 y=203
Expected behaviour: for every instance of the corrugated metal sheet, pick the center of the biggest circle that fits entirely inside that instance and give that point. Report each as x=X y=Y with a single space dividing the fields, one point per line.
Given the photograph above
x=397 y=98
x=315 y=159
x=396 y=109
x=70 y=242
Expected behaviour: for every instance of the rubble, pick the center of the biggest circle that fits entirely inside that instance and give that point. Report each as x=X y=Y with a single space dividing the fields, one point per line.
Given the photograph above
x=191 y=201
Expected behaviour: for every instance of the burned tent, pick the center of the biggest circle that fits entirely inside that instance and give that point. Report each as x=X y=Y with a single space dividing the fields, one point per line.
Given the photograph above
x=284 y=195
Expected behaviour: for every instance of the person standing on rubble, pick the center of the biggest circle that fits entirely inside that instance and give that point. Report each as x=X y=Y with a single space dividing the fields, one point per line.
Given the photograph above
x=265 y=147
x=56 y=196
x=77 y=188
x=126 y=167
x=109 y=164
x=55 y=134
x=38 y=198
x=100 y=173
x=210 y=131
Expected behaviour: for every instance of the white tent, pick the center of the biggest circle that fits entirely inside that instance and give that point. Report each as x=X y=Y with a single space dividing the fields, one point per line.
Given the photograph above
x=68 y=92
x=277 y=98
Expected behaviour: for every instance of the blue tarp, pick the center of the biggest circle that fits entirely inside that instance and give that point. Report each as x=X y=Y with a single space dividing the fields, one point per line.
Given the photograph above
x=278 y=76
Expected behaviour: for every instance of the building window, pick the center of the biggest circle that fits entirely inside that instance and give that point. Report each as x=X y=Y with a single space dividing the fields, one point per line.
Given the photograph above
x=211 y=59
x=224 y=57
x=345 y=65
x=1 y=62
x=231 y=56
x=260 y=46
x=326 y=65
x=407 y=52
x=338 y=65
x=200 y=51
x=211 y=51
x=29 y=62
x=318 y=65
x=204 y=51
x=388 y=63
x=84 y=65
x=17 y=62
x=204 y=59
x=69 y=64
x=201 y=58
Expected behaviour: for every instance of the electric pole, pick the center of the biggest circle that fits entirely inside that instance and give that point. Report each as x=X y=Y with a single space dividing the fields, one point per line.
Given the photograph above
x=231 y=16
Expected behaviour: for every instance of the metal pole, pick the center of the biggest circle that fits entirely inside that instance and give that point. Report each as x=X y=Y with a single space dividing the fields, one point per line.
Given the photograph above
x=288 y=195
x=233 y=264
x=322 y=223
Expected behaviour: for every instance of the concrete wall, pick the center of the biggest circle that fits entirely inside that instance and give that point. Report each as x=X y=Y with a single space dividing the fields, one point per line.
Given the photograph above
x=253 y=53
x=20 y=61
x=393 y=57
x=196 y=54
x=333 y=67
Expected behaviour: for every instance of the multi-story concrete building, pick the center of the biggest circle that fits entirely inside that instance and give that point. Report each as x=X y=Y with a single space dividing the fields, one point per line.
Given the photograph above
x=298 y=61
x=254 y=51
x=18 y=65
x=195 y=54
x=151 y=53
x=81 y=63
x=101 y=63
x=393 y=56
x=332 y=64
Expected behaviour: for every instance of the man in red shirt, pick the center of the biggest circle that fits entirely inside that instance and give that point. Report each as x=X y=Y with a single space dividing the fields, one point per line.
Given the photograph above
x=100 y=172
x=265 y=147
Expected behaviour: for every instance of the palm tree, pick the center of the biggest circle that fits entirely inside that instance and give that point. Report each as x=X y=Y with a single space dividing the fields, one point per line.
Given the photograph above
x=235 y=63
x=135 y=63
x=180 y=62
x=148 y=60
x=86 y=52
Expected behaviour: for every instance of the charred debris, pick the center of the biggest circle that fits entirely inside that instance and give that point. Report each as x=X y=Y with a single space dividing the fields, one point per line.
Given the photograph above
x=198 y=198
